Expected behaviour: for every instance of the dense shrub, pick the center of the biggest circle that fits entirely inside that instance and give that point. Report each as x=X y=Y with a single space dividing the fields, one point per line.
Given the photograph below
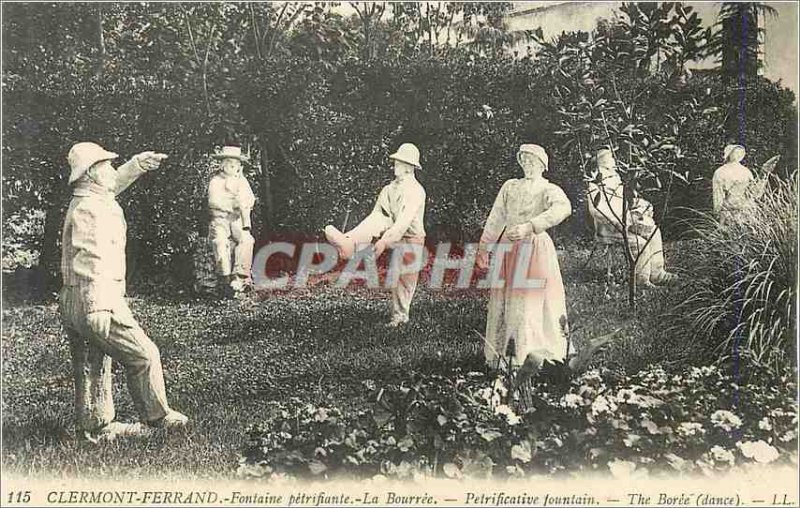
x=321 y=123
x=332 y=135
x=464 y=426
x=743 y=284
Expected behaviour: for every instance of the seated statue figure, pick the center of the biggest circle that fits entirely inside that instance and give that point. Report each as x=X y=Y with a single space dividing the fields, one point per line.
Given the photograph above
x=605 y=206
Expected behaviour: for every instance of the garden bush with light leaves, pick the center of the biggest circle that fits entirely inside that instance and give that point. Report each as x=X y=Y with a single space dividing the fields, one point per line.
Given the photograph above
x=471 y=425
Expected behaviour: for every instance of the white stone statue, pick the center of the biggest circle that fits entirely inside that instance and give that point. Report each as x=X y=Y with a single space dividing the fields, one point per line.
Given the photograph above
x=734 y=187
x=396 y=218
x=534 y=318
x=230 y=202
x=94 y=312
x=605 y=207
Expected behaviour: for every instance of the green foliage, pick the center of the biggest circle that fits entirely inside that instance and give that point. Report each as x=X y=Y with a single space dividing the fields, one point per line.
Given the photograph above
x=743 y=289
x=464 y=425
x=321 y=100
x=331 y=134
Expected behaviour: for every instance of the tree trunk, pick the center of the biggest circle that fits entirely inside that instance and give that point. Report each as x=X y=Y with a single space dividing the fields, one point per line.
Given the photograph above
x=267 y=208
x=632 y=285
x=101 y=44
x=50 y=255
x=740 y=49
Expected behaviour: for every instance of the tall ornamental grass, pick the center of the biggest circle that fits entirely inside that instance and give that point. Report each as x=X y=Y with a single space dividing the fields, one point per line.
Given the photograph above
x=743 y=282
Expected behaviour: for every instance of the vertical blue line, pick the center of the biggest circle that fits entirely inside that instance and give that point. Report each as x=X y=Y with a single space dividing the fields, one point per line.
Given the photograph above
x=738 y=261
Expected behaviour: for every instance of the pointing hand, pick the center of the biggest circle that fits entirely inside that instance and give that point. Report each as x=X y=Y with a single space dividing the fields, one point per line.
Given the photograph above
x=150 y=160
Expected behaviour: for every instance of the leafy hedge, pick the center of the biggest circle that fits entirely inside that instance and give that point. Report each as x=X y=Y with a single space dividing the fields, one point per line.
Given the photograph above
x=465 y=426
x=331 y=135
x=320 y=125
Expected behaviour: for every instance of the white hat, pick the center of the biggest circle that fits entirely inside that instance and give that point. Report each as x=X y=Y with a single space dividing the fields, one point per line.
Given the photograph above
x=82 y=156
x=730 y=148
x=536 y=151
x=231 y=152
x=407 y=153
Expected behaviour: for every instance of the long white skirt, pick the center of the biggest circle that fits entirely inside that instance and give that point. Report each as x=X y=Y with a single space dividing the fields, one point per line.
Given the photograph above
x=536 y=318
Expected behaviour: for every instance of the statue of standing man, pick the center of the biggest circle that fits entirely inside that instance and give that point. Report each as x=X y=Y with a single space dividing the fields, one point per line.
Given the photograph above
x=92 y=303
x=230 y=202
x=397 y=218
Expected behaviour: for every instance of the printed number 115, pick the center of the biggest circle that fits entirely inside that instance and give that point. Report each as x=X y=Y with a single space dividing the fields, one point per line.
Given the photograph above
x=19 y=497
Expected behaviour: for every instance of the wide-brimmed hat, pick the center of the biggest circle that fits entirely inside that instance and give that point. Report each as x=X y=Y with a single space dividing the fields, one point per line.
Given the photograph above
x=231 y=152
x=407 y=153
x=534 y=150
x=730 y=148
x=84 y=155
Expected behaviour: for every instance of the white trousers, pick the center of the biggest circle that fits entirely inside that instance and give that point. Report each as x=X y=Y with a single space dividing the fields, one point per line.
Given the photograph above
x=403 y=291
x=91 y=363
x=223 y=230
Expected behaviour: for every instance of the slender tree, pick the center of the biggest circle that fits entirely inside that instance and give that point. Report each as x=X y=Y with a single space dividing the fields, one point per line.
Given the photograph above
x=738 y=37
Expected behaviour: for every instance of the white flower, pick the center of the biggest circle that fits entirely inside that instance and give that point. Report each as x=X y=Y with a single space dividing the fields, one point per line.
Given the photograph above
x=720 y=454
x=621 y=468
x=571 y=400
x=603 y=405
x=522 y=451
x=764 y=424
x=321 y=415
x=687 y=429
x=650 y=426
x=789 y=436
x=675 y=461
x=509 y=413
x=759 y=451
x=591 y=378
x=726 y=420
x=631 y=440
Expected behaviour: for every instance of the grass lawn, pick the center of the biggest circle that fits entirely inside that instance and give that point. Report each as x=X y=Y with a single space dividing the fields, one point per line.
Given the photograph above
x=225 y=361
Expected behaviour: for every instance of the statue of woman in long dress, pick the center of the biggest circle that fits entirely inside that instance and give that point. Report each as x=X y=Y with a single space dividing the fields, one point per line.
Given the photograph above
x=535 y=318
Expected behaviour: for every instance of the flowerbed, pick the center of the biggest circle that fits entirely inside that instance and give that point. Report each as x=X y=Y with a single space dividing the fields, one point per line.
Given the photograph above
x=465 y=426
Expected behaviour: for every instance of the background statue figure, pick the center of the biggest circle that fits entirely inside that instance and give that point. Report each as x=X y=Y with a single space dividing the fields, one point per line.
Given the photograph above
x=230 y=202
x=734 y=187
x=606 y=205
x=397 y=217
